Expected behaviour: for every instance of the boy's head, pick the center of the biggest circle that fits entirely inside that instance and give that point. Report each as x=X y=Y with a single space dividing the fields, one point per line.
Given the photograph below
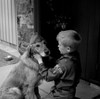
x=68 y=40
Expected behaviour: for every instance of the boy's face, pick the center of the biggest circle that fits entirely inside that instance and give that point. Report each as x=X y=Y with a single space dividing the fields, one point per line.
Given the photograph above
x=62 y=49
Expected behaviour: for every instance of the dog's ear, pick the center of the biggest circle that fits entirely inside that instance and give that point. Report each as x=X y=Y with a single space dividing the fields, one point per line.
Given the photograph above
x=33 y=38
x=36 y=38
x=29 y=50
x=27 y=53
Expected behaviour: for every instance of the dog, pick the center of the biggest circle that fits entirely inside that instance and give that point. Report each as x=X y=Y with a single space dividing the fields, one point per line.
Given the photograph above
x=22 y=80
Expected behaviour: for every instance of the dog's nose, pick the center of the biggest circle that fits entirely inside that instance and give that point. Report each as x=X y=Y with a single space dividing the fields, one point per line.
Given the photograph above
x=47 y=52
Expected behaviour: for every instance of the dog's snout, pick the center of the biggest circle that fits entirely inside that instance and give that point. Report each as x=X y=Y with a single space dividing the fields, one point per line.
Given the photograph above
x=47 y=52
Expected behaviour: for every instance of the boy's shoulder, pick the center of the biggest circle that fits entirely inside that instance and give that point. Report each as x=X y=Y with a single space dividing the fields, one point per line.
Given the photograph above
x=64 y=57
x=72 y=56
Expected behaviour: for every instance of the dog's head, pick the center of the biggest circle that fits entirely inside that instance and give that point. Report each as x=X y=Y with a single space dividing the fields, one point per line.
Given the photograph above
x=39 y=48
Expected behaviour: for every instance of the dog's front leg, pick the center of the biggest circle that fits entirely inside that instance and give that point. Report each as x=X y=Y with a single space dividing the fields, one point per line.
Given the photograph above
x=30 y=93
x=36 y=91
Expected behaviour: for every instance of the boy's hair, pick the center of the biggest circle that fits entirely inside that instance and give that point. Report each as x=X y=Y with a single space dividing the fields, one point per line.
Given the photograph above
x=69 y=38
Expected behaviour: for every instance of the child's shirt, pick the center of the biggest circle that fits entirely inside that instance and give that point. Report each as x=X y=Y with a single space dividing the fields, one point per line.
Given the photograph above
x=66 y=74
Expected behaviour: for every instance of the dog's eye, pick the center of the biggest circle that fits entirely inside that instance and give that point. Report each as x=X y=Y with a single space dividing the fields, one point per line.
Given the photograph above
x=37 y=45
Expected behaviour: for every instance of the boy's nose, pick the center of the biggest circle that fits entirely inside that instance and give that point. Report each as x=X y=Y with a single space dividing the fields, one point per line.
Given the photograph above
x=59 y=45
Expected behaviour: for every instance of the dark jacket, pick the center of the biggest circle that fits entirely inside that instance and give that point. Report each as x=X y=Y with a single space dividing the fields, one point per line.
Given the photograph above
x=66 y=75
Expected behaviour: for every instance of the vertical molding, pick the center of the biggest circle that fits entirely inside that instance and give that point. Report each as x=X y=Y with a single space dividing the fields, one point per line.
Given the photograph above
x=4 y=24
x=16 y=26
x=10 y=19
x=4 y=18
x=13 y=23
x=0 y=21
x=7 y=21
x=8 y=15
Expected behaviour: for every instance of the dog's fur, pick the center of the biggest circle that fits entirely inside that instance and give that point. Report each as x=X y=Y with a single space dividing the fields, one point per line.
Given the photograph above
x=22 y=80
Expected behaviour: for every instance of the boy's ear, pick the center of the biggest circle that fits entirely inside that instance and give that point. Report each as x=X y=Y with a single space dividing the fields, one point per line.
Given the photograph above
x=68 y=49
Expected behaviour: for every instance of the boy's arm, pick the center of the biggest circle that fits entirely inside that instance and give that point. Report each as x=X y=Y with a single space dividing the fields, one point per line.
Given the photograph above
x=52 y=73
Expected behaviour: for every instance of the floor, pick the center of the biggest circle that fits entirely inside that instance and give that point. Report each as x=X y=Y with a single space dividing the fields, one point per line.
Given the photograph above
x=84 y=90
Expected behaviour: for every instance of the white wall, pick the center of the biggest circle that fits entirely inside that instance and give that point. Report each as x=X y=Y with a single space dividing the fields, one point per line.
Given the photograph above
x=8 y=25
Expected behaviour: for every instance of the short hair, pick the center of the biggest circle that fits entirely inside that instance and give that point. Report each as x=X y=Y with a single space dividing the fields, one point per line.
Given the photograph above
x=69 y=38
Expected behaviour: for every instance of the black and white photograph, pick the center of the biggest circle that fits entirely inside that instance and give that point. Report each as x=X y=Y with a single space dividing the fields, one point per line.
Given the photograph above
x=49 y=49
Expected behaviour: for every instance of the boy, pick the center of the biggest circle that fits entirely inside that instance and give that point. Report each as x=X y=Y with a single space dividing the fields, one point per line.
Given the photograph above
x=66 y=74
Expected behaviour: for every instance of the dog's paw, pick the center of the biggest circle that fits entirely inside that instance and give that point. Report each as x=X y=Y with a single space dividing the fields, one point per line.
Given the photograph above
x=14 y=90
